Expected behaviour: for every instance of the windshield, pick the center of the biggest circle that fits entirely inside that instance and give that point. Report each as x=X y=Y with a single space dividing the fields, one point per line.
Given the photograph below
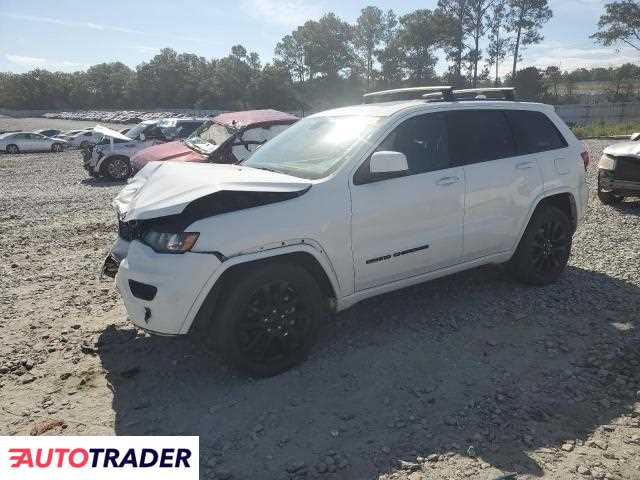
x=137 y=130
x=314 y=147
x=208 y=135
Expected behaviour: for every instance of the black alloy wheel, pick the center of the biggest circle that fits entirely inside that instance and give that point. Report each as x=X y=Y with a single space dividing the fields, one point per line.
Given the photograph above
x=270 y=318
x=549 y=246
x=275 y=324
x=544 y=249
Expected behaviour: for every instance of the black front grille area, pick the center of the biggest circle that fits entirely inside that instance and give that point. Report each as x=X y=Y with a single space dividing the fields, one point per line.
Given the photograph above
x=628 y=169
x=130 y=231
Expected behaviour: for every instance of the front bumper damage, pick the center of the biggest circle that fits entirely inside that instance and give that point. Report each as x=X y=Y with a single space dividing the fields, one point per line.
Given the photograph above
x=159 y=290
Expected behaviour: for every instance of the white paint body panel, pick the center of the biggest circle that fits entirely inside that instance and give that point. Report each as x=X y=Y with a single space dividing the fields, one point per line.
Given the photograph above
x=476 y=220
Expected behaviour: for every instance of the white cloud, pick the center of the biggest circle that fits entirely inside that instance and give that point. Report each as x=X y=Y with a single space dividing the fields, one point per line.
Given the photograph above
x=145 y=49
x=71 y=23
x=35 y=62
x=285 y=13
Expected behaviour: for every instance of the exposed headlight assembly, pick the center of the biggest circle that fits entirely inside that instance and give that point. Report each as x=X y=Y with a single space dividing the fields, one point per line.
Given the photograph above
x=607 y=162
x=170 y=242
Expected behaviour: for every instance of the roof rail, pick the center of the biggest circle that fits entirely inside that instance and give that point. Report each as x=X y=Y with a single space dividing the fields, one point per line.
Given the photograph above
x=412 y=93
x=490 y=93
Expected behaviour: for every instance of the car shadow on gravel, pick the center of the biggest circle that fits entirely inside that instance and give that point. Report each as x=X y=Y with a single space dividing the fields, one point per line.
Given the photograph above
x=471 y=360
x=631 y=207
x=101 y=182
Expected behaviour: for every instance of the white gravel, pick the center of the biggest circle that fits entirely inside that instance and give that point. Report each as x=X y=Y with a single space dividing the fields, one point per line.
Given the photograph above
x=464 y=377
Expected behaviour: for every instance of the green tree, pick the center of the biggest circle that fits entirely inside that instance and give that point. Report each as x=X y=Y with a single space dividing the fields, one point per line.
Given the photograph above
x=620 y=22
x=476 y=25
x=498 y=42
x=526 y=18
x=452 y=16
x=529 y=83
x=370 y=31
x=553 y=78
x=417 y=39
x=327 y=45
x=289 y=52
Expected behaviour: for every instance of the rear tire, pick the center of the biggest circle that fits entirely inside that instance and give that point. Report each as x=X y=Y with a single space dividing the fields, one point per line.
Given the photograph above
x=270 y=320
x=116 y=168
x=543 y=251
x=12 y=149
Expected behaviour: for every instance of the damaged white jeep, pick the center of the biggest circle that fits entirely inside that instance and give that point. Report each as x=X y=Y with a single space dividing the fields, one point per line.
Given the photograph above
x=344 y=205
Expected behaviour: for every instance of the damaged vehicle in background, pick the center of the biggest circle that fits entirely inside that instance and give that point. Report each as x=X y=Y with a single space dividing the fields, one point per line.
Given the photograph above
x=229 y=138
x=619 y=172
x=111 y=158
x=342 y=206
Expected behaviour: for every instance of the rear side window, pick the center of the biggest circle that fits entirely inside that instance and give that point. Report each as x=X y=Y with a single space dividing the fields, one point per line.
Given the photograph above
x=534 y=132
x=479 y=136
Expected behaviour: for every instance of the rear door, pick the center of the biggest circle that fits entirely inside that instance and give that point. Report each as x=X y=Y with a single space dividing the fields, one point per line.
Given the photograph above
x=538 y=137
x=408 y=224
x=501 y=183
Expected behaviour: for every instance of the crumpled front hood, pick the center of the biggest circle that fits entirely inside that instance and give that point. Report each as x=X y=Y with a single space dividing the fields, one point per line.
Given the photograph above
x=166 y=188
x=168 y=151
x=625 y=149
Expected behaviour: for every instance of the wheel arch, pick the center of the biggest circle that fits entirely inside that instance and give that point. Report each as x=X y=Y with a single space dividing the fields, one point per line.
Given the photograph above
x=315 y=262
x=565 y=200
x=104 y=159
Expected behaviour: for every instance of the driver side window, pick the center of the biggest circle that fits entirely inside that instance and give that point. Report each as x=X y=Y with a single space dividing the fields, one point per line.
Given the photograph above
x=423 y=140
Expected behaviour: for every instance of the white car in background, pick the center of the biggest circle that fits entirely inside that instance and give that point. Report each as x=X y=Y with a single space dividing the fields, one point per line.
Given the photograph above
x=16 y=142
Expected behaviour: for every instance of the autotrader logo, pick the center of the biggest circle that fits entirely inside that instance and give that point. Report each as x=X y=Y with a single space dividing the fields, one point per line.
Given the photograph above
x=70 y=458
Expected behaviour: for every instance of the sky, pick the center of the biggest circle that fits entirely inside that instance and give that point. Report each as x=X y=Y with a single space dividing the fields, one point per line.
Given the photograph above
x=71 y=35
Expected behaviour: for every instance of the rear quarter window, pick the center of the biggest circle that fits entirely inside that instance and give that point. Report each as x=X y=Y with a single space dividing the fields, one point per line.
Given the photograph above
x=534 y=132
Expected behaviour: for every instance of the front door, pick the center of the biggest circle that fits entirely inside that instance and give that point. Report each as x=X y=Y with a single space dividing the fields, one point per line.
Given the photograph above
x=407 y=225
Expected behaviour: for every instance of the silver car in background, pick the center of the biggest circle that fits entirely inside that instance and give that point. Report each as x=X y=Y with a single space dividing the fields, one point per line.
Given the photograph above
x=16 y=142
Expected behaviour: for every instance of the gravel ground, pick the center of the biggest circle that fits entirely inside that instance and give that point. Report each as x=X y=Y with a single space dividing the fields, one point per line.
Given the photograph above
x=468 y=376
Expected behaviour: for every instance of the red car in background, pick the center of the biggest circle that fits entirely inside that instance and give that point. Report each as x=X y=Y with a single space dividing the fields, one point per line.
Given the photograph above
x=228 y=138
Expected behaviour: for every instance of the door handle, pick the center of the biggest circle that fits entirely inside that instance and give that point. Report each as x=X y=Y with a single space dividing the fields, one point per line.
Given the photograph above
x=444 y=181
x=525 y=165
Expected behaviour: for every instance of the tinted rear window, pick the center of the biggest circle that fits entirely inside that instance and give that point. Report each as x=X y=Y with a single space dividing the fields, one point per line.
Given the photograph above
x=534 y=132
x=479 y=136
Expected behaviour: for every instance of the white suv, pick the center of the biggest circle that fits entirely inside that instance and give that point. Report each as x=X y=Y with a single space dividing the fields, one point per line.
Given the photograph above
x=344 y=205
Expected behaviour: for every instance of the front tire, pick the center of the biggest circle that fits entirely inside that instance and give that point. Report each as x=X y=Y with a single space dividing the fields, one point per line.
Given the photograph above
x=56 y=147
x=543 y=251
x=116 y=168
x=12 y=149
x=270 y=320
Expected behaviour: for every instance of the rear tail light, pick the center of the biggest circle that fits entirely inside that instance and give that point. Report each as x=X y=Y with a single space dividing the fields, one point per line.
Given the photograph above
x=586 y=159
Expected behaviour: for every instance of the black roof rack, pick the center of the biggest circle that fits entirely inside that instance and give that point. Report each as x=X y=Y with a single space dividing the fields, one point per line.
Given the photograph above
x=489 y=93
x=411 y=93
x=441 y=94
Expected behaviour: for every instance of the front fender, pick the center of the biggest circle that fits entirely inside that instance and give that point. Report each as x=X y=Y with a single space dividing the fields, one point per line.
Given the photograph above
x=268 y=251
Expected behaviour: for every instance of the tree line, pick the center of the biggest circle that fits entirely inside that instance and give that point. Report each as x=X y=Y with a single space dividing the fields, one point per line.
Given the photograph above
x=328 y=62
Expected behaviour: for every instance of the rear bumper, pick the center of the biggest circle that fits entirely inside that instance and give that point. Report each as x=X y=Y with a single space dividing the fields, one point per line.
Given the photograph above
x=159 y=291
